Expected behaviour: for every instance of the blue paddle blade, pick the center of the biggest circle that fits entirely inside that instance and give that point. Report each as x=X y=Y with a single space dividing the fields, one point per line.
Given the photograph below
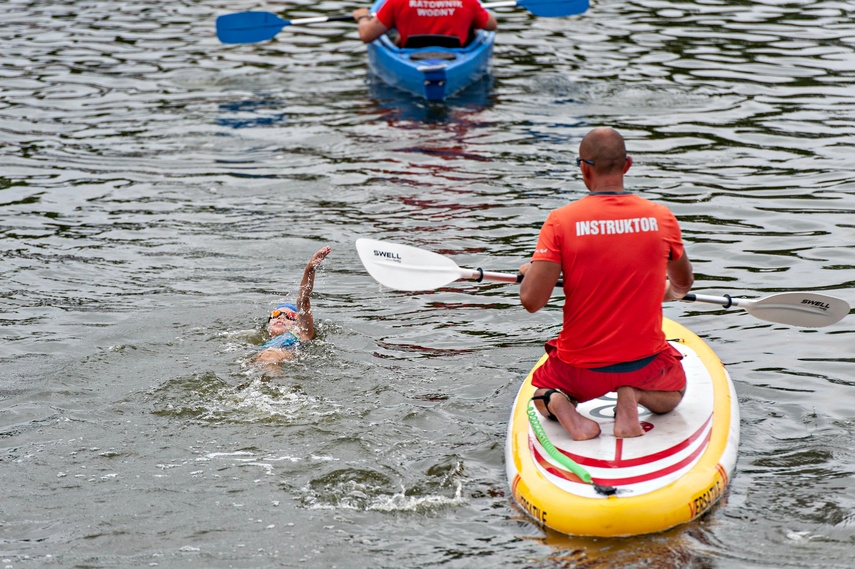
x=554 y=8
x=249 y=27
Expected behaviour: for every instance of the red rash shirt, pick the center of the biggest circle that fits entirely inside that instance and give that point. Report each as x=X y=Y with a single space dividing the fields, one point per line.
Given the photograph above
x=442 y=17
x=613 y=249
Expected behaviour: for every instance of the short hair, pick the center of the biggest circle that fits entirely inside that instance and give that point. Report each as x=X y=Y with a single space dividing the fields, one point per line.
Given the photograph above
x=605 y=147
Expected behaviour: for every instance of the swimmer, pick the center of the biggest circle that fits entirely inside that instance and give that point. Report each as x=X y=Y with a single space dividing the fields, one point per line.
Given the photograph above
x=288 y=325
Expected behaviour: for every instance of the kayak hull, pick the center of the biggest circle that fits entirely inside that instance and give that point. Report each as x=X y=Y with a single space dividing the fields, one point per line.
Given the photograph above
x=674 y=473
x=432 y=73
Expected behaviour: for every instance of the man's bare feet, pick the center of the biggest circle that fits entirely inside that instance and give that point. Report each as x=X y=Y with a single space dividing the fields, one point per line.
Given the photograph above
x=630 y=398
x=579 y=428
x=626 y=413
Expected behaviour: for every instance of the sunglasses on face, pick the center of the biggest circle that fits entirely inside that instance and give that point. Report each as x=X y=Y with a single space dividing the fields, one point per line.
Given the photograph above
x=288 y=314
x=579 y=161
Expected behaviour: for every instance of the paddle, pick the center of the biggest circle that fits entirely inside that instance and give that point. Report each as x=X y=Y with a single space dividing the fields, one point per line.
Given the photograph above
x=402 y=267
x=806 y=309
x=255 y=26
x=252 y=27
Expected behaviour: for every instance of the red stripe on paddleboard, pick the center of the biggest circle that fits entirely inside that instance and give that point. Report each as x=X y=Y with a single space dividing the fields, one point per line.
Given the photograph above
x=551 y=468
x=646 y=477
x=619 y=462
x=721 y=470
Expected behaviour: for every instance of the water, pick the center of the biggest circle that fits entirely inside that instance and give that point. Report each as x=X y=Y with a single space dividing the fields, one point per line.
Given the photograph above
x=161 y=192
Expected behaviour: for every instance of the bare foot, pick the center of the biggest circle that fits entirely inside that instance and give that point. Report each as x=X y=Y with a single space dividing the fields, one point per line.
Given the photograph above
x=627 y=424
x=579 y=428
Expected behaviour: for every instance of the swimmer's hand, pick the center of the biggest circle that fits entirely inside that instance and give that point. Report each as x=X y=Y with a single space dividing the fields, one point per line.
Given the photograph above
x=319 y=257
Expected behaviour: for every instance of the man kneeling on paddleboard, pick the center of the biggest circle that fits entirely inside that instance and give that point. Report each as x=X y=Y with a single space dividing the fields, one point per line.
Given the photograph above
x=290 y=324
x=620 y=256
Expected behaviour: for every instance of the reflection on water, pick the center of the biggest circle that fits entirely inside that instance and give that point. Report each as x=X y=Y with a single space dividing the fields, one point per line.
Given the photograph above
x=260 y=112
x=160 y=191
x=683 y=548
x=396 y=107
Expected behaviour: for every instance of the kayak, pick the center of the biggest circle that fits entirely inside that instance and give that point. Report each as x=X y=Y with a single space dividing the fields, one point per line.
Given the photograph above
x=433 y=72
x=672 y=474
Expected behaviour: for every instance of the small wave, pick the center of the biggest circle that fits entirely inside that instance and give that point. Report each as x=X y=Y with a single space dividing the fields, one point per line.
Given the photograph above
x=210 y=399
x=366 y=490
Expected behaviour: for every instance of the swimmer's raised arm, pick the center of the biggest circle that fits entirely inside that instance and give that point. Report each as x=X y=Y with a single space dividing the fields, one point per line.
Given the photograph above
x=305 y=322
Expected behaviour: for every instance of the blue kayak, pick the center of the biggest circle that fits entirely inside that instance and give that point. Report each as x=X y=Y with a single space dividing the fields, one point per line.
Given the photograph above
x=434 y=72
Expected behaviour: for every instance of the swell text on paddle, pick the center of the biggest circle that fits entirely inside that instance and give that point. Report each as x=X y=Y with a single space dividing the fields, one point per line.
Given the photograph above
x=388 y=255
x=818 y=304
x=534 y=511
x=616 y=226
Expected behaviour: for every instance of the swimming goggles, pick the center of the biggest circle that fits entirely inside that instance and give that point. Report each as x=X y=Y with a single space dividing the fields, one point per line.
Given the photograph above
x=288 y=314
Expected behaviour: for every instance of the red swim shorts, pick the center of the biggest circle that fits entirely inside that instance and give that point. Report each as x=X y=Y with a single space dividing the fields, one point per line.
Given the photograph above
x=663 y=373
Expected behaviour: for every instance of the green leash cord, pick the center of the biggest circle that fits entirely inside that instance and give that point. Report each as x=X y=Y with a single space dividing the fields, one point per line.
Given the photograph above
x=550 y=448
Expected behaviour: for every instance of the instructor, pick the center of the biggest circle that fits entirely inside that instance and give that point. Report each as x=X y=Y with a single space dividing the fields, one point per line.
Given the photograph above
x=620 y=256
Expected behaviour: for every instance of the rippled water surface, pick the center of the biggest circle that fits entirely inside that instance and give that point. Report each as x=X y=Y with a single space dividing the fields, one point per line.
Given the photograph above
x=160 y=192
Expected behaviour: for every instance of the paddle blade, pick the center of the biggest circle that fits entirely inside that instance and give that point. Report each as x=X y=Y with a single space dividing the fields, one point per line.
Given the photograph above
x=807 y=309
x=554 y=8
x=249 y=27
x=402 y=267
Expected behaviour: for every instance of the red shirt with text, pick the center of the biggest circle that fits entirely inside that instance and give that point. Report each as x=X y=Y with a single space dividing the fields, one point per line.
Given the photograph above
x=442 y=17
x=613 y=249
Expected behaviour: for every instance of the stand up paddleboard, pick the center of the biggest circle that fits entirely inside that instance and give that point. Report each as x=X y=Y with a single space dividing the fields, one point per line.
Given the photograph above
x=672 y=474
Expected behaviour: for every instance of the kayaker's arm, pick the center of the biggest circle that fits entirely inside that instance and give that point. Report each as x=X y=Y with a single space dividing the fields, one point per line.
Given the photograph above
x=492 y=25
x=538 y=283
x=368 y=26
x=680 y=278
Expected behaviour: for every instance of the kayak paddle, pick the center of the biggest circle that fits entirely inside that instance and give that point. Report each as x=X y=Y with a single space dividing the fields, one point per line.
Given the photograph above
x=251 y=27
x=256 y=26
x=402 y=267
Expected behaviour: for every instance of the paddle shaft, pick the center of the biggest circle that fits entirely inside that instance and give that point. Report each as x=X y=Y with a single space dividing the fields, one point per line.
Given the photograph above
x=257 y=26
x=482 y=275
x=727 y=301
x=809 y=310
x=503 y=4
x=319 y=20
x=344 y=18
x=404 y=267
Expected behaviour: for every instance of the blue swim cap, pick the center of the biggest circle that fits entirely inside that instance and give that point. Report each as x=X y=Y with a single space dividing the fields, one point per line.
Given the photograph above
x=287 y=305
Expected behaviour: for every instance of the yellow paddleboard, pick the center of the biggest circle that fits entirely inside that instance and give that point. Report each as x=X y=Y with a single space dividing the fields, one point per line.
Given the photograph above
x=672 y=474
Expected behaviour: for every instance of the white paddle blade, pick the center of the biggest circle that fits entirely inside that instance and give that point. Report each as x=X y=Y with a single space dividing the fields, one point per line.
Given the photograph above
x=402 y=267
x=807 y=309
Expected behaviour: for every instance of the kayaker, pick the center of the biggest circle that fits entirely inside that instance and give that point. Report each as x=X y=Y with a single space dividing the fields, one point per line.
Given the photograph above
x=457 y=18
x=620 y=256
x=290 y=324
